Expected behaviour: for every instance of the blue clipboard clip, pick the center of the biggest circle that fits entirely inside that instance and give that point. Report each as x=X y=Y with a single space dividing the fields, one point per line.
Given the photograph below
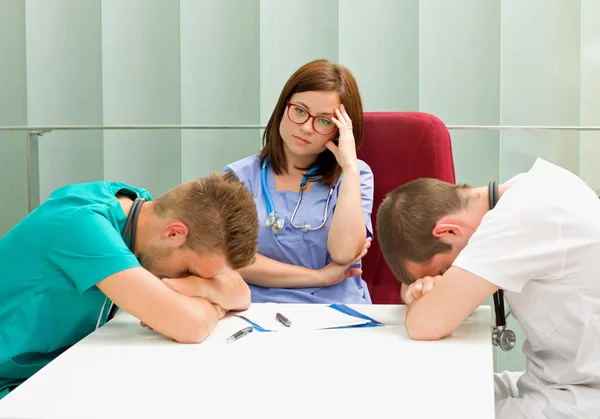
x=351 y=312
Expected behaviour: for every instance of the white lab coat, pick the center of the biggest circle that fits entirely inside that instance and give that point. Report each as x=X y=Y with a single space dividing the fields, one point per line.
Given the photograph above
x=541 y=244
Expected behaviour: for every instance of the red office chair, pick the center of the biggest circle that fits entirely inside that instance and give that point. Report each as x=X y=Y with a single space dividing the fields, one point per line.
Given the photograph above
x=400 y=147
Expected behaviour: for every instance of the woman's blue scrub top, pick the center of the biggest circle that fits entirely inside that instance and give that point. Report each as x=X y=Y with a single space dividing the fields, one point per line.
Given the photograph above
x=296 y=247
x=49 y=265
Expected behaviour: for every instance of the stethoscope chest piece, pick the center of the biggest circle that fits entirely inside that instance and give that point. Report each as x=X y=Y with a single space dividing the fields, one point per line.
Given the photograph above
x=274 y=222
x=505 y=339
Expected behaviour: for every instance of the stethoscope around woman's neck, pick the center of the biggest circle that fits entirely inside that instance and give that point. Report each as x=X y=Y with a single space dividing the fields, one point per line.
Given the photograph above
x=501 y=336
x=274 y=221
x=128 y=232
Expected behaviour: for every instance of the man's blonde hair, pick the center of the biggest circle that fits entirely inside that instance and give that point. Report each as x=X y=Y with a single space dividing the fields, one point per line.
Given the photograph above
x=406 y=219
x=220 y=214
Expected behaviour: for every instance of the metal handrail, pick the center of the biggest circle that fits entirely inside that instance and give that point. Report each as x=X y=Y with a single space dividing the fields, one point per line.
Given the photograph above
x=35 y=132
x=49 y=128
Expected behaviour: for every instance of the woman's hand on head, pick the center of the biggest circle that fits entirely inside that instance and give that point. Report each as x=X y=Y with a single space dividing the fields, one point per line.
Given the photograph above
x=345 y=150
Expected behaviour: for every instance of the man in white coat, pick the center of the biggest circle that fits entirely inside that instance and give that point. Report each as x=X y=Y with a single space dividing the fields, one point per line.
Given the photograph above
x=540 y=244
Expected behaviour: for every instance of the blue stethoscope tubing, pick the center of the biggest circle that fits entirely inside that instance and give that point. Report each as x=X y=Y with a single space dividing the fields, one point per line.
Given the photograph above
x=263 y=175
x=275 y=222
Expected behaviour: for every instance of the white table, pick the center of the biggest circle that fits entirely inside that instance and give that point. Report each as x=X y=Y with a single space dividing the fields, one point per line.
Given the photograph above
x=125 y=371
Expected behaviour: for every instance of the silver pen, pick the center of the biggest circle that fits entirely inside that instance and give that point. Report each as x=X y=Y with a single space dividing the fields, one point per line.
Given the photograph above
x=283 y=320
x=239 y=334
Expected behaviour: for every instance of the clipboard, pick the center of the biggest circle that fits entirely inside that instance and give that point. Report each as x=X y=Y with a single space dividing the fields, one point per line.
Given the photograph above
x=262 y=317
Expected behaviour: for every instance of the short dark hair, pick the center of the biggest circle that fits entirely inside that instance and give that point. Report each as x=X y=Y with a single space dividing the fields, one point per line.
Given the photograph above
x=318 y=75
x=406 y=219
x=220 y=214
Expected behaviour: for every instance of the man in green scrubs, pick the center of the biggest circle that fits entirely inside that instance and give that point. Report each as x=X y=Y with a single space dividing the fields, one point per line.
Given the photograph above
x=65 y=264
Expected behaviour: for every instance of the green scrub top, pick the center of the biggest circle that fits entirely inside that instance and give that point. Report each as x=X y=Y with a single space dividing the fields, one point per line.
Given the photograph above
x=50 y=263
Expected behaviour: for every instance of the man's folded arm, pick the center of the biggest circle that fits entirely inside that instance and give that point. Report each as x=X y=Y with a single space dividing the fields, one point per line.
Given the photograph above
x=182 y=318
x=227 y=290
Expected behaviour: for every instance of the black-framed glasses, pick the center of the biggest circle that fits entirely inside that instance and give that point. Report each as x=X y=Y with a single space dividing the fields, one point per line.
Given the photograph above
x=299 y=115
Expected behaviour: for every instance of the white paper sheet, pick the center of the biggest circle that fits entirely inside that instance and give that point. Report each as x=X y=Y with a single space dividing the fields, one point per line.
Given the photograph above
x=314 y=317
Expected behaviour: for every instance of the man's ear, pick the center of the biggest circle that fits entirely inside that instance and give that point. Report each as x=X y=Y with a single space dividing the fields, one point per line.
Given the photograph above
x=447 y=226
x=176 y=233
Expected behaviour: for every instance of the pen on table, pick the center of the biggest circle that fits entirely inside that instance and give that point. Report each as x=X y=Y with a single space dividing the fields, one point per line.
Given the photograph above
x=283 y=320
x=239 y=334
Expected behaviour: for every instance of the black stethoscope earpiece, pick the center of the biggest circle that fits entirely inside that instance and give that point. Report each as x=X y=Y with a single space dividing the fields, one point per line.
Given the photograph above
x=501 y=336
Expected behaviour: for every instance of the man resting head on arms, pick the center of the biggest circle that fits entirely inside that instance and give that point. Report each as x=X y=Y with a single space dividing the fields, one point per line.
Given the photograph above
x=173 y=266
x=540 y=244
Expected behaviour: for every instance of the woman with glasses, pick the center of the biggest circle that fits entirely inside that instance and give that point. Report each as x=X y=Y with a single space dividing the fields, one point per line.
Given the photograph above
x=314 y=197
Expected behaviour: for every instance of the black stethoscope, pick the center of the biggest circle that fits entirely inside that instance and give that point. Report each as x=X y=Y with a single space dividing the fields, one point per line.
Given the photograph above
x=129 y=230
x=275 y=222
x=501 y=336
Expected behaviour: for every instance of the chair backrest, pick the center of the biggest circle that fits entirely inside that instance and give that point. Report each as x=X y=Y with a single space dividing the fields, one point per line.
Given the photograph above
x=400 y=147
